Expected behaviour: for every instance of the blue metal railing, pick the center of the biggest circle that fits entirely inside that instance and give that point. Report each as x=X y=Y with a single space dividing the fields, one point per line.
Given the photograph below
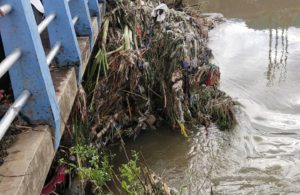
x=26 y=59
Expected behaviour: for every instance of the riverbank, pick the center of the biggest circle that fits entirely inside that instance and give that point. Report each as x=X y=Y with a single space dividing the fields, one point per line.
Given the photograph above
x=152 y=68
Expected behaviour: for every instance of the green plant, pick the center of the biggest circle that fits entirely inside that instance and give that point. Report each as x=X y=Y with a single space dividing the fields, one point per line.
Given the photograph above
x=89 y=166
x=130 y=175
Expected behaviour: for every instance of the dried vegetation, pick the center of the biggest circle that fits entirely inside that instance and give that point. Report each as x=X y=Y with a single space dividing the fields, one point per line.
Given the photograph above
x=154 y=65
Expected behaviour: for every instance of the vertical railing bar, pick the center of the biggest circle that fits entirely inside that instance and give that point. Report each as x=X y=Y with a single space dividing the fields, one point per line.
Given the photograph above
x=12 y=112
x=53 y=52
x=5 y=9
x=43 y=25
x=9 y=61
x=84 y=26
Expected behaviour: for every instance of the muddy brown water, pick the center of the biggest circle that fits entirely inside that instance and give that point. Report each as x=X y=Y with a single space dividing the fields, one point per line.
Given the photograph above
x=258 y=51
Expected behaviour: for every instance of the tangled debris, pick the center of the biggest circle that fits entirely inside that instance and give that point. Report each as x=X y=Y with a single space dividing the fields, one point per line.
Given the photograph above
x=154 y=64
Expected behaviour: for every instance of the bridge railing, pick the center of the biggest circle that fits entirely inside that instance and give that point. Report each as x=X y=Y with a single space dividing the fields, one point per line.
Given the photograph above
x=27 y=61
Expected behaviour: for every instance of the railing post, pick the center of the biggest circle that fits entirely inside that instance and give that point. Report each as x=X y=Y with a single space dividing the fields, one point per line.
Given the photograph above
x=103 y=7
x=95 y=10
x=30 y=72
x=84 y=26
x=62 y=30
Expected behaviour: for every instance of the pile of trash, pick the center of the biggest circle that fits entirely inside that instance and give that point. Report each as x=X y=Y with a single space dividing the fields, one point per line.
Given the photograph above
x=154 y=65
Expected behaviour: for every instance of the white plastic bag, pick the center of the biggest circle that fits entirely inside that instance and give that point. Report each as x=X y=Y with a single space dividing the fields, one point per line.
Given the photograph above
x=160 y=12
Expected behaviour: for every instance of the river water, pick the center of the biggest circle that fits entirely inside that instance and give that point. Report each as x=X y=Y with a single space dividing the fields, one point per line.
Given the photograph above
x=258 y=51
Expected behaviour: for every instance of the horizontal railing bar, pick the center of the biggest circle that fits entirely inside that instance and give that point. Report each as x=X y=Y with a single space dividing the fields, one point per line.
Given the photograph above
x=12 y=112
x=75 y=20
x=53 y=52
x=9 y=61
x=5 y=9
x=43 y=25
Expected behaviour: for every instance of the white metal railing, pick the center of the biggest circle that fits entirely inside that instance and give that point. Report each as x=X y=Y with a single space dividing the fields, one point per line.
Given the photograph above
x=12 y=112
x=53 y=52
x=44 y=24
x=75 y=20
x=7 y=63
x=5 y=9
x=41 y=27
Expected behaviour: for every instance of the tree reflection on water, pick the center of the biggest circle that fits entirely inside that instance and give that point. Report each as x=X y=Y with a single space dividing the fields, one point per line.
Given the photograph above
x=277 y=67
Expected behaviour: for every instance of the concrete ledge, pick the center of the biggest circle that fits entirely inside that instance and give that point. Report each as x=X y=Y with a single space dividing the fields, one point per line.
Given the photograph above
x=25 y=169
x=64 y=79
x=84 y=45
x=65 y=83
x=95 y=28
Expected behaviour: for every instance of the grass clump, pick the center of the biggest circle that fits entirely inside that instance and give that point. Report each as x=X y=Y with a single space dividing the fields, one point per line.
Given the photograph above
x=90 y=167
